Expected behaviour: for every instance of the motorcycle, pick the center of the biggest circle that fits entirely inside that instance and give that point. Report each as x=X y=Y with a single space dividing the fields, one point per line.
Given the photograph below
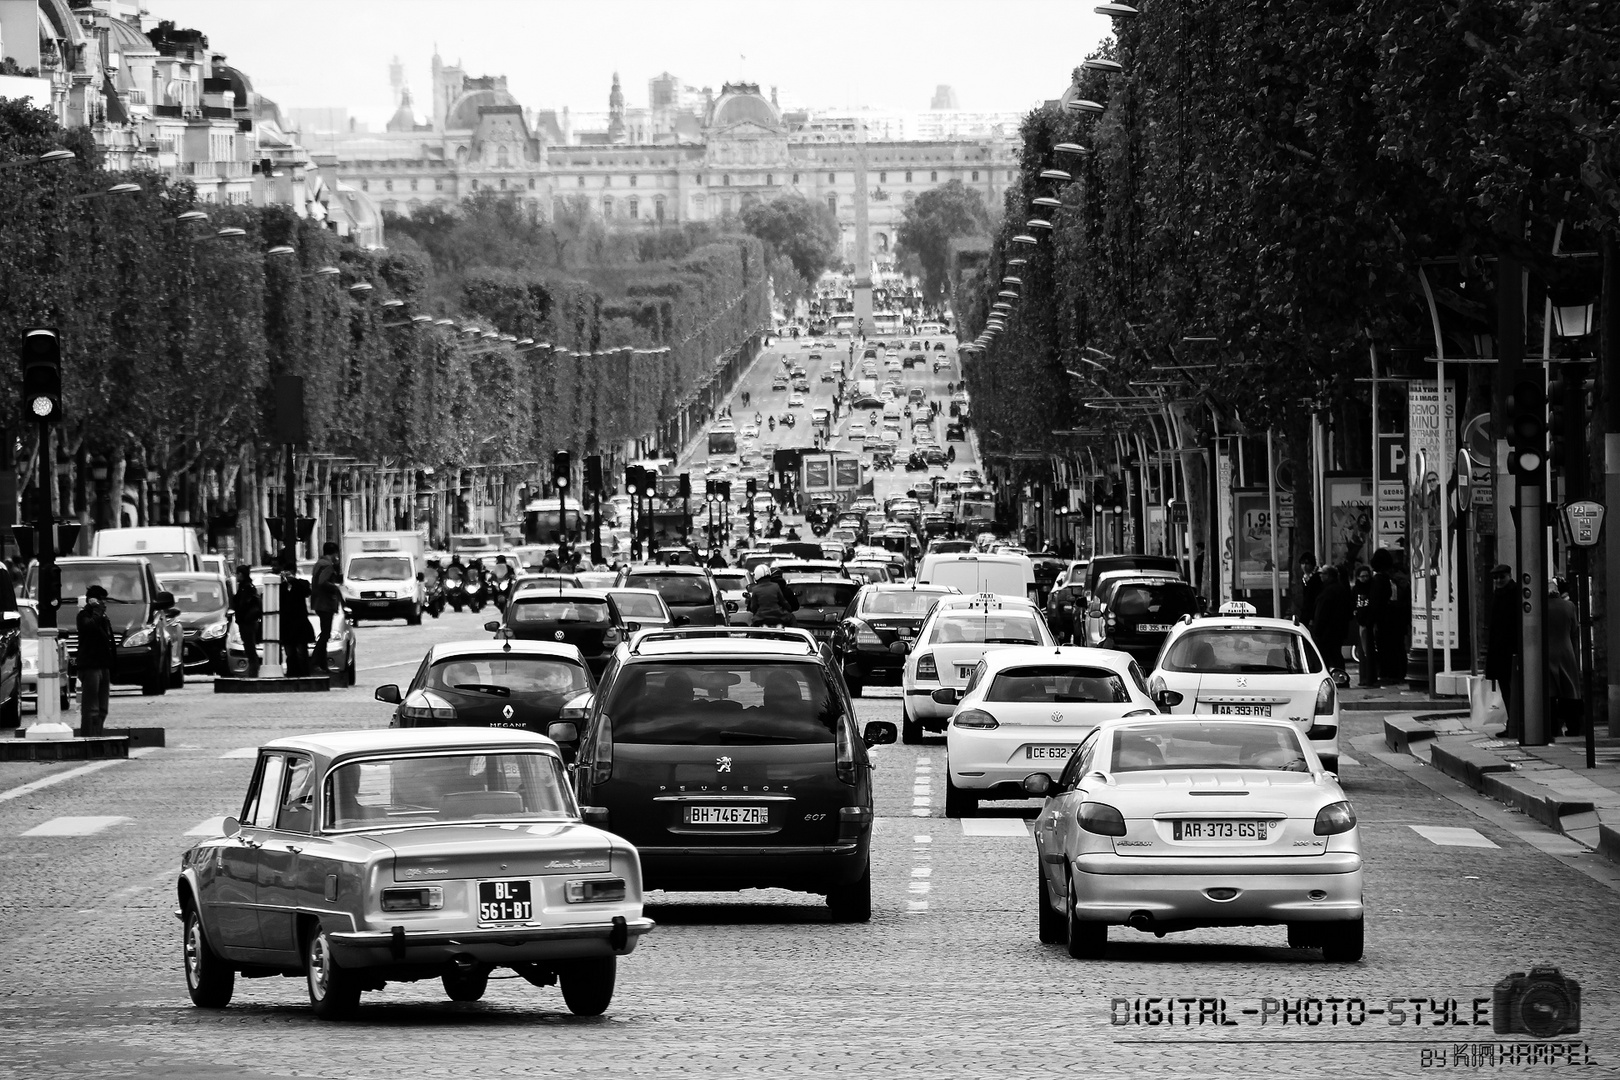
x=455 y=590
x=477 y=593
x=434 y=597
x=501 y=591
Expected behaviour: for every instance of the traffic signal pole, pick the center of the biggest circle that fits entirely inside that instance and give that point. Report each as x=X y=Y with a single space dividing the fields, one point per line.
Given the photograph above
x=49 y=710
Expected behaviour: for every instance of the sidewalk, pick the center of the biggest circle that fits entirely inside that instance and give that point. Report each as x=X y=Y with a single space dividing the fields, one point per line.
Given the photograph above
x=1550 y=784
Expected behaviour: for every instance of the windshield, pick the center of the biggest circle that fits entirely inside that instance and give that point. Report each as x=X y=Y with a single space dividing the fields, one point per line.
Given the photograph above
x=687 y=589
x=639 y=605
x=123 y=581
x=510 y=676
x=824 y=594
x=723 y=704
x=379 y=568
x=909 y=602
x=1222 y=745
x=196 y=594
x=1058 y=684
x=441 y=789
x=557 y=609
x=1238 y=650
x=999 y=628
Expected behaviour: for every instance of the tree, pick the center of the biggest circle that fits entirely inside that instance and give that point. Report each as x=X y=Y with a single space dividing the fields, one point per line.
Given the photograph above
x=932 y=220
x=806 y=232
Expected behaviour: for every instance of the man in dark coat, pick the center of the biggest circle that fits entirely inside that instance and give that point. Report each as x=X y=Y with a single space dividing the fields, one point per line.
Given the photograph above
x=1563 y=665
x=296 y=633
x=1503 y=640
x=1330 y=622
x=769 y=600
x=94 y=658
x=1389 y=619
x=248 y=609
x=326 y=598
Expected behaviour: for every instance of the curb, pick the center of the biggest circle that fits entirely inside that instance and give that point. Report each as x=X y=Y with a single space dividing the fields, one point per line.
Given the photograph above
x=1609 y=843
x=311 y=685
x=105 y=746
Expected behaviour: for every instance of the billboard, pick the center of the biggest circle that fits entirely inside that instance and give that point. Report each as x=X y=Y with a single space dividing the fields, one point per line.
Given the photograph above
x=818 y=472
x=1431 y=459
x=846 y=471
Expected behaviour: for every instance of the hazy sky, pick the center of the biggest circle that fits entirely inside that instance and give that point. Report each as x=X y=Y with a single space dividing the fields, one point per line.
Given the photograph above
x=1003 y=55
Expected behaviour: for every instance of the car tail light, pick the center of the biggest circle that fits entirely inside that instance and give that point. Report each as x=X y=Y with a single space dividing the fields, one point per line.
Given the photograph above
x=1325 y=698
x=594 y=891
x=427 y=708
x=975 y=718
x=602 y=753
x=1110 y=620
x=419 y=898
x=865 y=635
x=846 y=754
x=1335 y=818
x=1100 y=818
x=926 y=668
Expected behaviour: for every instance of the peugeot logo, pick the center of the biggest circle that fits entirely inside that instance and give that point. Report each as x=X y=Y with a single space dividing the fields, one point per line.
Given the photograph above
x=506 y=711
x=722 y=764
x=1241 y=681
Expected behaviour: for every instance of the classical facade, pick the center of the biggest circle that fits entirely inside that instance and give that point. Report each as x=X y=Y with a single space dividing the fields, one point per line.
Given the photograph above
x=686 y=157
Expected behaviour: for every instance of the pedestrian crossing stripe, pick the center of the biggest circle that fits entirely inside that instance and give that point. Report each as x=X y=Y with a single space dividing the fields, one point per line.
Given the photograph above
x=75 y=826
x=1016 y=827
x=1451 y=836
x=240 y=752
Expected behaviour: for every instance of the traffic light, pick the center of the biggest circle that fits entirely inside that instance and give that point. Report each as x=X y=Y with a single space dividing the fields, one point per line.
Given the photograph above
x=685 y=491
x=593 y=472
x=710 y=488
x=1118 y=498
x=1527 y=429
x=753 y=488
x=42 y=375
x=560 y=470
x=632 y=479
x=725 y=490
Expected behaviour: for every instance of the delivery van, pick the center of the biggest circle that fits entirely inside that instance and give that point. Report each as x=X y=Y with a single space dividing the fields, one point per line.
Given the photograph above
x=171 y=549
x=973 y=573
x=382 y=575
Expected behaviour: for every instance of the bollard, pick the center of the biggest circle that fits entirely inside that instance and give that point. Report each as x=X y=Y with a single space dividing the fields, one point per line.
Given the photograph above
x=49 y=709
x=273 y=666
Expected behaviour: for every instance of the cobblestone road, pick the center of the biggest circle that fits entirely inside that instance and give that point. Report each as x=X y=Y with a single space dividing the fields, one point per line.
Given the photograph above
x=947 y=980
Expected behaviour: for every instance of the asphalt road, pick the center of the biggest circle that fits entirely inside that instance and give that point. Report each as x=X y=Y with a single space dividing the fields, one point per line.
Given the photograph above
x=947 y=980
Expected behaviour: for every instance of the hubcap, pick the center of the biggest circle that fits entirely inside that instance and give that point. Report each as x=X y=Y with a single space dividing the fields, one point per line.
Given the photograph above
x=318 y=966
x=193 y=948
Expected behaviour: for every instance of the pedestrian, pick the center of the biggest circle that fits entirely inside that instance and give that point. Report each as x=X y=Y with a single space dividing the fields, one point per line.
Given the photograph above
x=1330 y=621
x=326 y=598
x=1563 y=665
x=1503 y=635
x=1366 y=625
x=296 y=633
x=1389 y=622
x=1305 y=589
x=769 y=598
x=717 y=559
x=248 y=609
x=93 y=661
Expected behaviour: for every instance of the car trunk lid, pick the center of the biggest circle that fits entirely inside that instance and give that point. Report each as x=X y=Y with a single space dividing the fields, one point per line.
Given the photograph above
x=1201 y=813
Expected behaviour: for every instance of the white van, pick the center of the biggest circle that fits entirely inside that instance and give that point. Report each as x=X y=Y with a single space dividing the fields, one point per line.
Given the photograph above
x=892 y=411
x=171 y=549
x=972 y=573
x=930 y=329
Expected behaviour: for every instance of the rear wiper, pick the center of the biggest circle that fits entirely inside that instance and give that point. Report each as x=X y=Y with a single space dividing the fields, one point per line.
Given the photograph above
x=483 y=688
x=759 y=735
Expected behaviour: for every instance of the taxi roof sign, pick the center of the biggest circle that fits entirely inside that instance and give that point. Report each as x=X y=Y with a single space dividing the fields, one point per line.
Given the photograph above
x=1238 y=607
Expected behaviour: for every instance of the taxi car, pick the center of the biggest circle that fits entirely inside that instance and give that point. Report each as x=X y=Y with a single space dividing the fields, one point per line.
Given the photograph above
x=367 y=857
x=1237 y=664
x=1026 y=708
x=1170 y=823
x=509 y=684
x=878 y=628
x=951 y=642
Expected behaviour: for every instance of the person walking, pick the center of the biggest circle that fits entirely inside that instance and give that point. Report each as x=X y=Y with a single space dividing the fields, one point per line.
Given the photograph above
x=326 y=598
x=1563 y=665
x=248 y=607
x=296 y=633
x=1335 y=608
x=1389 y=630
x=1366 y=626
x=94 y=660
x=1503 y=637
x=1306 y=589
x=769 y=600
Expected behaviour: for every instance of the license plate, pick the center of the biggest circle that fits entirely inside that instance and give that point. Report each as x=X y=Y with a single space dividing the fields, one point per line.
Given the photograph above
x=1243 y=710
x=1219 y=830
x=1047 y=753
x=1153 y=628
x=504 y=901
x=727 y=815
x=964 y=670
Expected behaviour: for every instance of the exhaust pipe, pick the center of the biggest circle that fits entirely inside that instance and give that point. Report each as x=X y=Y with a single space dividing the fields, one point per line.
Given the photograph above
x=1140 y=920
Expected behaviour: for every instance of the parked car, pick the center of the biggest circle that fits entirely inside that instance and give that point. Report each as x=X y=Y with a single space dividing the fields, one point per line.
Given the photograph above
x=146 y=632
x=204 y=602
x=365 y=857
x=510 y=684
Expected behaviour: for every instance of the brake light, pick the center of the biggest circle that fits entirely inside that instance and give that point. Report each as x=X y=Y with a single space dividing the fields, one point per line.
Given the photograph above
x=428 y=708
x=1326 y=697
x=423 y=898
x=602 y=753
x=926 y=668
x=1335 y=818
x=594 y=891
x=1100 y=818
x=975 y=718
x=865 y=635
x=846 y=754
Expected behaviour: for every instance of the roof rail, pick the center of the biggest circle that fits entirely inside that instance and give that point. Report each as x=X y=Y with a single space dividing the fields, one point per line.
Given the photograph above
x=741 y=633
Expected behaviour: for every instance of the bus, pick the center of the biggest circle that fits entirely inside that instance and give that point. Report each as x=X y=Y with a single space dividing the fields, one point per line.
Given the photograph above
x=888 y=321
x=975 y=506
x=723 y=441
x=543 y=524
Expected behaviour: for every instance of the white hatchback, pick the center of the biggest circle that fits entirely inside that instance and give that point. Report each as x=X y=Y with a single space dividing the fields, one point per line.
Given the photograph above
x=958 y=633
x=1025 y=710
x=1241 y=665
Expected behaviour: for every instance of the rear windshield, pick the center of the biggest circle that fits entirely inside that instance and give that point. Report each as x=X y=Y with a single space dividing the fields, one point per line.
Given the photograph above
x=558 y=609
x=638 y=606
x=379 y=568
x=1208 y=746
x=722 y=703
x=504 y=676
x=899 y=603
x=197 y=595
x=1162 y=603
x=734 y=580
x=1239 y=650
x=824 y=594
x=999 y=629
x=677 y=588
x=1058 y=684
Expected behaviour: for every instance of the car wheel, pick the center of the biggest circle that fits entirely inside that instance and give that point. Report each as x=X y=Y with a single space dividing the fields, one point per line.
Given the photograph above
x=587 y=985
x=911 y=732
x=1052 y=928
x=1304 y=935
x=466 y=985
x=177 y=677
x=853 y=902
x=415 y=617
x=1330 y=762
x=157 y=681
x=333 y=991
x=1342 y=942
x=959 y=803
x=350 y=671
x=209 y=980
x=1086 y=939
x=11 y=708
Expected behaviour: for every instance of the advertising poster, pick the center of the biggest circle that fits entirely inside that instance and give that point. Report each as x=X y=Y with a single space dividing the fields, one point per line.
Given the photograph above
x=1351 y=536
x=1157 y=542
x=1431 y=455
x=1254 y=554
x=847 y=471
x=1223 y=511
x=817 y=472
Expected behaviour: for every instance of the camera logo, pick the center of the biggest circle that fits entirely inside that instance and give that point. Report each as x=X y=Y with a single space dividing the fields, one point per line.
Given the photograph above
x=1541 y=1002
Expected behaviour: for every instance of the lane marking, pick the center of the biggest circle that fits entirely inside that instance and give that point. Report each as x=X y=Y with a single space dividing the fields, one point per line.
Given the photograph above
x=384 y=667
x=995 y=827
x=240 y=752
x=75 y=826
x=1346 y=759
x=214 y=826
x=82 y=770
x=1452 y=836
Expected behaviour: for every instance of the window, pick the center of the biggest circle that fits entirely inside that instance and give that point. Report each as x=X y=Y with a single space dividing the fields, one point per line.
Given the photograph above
x=581 y=181
x=365 y=185
x=725 y=180
x=724 y=704
x=475 y=185
x=531 y=183
x=635 y=208
x=795 y=178
x=658 y=208
x=607 y=181
x=769 y=180
x=832 y=178
x=933 y=177
x=632 y=181
x=503 y=183
x=607 y=206
x=438 y=185
x=832 y=203
x=975 y=174
x=502 y=159
x=264 y=797
x=883 y=178
x=460 y=787
x=413 y=184
x=297 y=810
x=908 y=176
x=1239 y=651
x=725 y=204
x=1058 y=685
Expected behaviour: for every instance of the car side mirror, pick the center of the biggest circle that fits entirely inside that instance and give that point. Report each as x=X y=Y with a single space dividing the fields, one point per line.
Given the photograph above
x=230 y=827
x=493 y=626
x=173 y=613
x=1038 y=784
x=1167 y=699
x=563 y=732
x=594 y=815
x=947 y=695
x=633 y=627
x=163 y=600
x=879 y=733
x=388 y=693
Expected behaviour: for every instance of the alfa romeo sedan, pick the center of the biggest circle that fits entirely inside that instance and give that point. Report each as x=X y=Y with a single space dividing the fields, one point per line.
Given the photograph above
x=1174 y=823
x=367 y=857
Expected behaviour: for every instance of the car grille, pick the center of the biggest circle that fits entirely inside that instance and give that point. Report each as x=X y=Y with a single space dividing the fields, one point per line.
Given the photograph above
x=375 y=596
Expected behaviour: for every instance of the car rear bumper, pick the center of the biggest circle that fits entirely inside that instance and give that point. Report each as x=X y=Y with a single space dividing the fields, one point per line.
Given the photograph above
x=875 y=665
x=983 y=761
x=381 y=609
x=514 y=945
x=1269 y=890
x=809 y=868
x=920 y=700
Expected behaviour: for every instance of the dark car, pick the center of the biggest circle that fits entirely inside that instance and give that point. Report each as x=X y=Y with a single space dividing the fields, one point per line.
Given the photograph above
x=916 y=461
x=204 y=601
x=1066 y=603
x=12 y=631
x=1048 y=568
x=795 y=549
x=1107 y=564
x=731 y=760
x=687 y=590
x=1134 y=615
x=955 y=433
x=140 y=610
x=822 y=599
x=868 y=401
x=584 y=618
x=877 y=630
x=514 y=684
x=936 y=455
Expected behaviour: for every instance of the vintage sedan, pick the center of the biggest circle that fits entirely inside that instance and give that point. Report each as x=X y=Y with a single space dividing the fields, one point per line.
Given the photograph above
x=1178 y=822
x=367 y=857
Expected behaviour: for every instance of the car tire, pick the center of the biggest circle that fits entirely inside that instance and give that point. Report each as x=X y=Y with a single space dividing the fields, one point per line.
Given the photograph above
x=1304 y=935
x=334 y=992
x=853 y=902
x=158 y=683
x=959 y=803
x=1086 y=939
x=587 y=985
x=350 y=671
x=177 y=677
x=11 y=708
x=465 y=985
x=1343 y=942
x=415 y=618
x=1330 y=762
x=209 y=980
x=911 y=732
x=1052 y=927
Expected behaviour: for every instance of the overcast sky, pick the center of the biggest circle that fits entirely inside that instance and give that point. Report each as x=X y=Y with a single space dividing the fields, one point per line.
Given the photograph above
x=1005 y=55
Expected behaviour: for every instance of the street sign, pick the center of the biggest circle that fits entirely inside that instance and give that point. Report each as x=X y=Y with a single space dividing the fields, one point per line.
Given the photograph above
x=1285 y=509
x=1583 y=521
x=1477 y=441
x=1178 y=512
